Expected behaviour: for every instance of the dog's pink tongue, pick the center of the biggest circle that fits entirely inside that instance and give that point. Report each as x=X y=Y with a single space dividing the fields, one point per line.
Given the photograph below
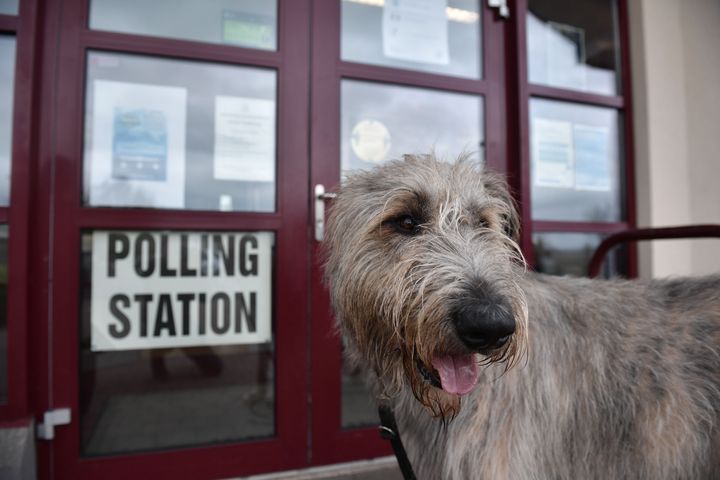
x=458 y=373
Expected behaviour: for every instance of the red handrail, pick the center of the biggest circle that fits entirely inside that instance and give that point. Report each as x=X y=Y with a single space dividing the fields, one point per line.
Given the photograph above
x=639 y=234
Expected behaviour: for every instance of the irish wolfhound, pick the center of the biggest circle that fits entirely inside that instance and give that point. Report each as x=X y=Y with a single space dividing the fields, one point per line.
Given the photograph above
x=609 y=379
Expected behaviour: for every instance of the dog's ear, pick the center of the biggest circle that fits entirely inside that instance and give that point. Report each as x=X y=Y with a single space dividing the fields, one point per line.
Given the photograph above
x=497 y=188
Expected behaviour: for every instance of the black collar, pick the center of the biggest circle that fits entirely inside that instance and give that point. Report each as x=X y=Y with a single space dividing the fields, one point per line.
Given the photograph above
x=389 y=431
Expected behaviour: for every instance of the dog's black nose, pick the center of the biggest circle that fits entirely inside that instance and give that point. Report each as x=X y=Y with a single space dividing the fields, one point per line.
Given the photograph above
x=484 y=322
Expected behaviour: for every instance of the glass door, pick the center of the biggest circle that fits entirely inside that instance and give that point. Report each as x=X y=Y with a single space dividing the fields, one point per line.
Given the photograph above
x=391 y=78
x=179 y=224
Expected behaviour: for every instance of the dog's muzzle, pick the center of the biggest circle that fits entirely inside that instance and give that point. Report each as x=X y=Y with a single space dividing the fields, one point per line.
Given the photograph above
x=483 y=320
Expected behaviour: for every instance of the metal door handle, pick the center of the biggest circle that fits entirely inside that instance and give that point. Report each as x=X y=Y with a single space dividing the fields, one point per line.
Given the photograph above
x=320 y=197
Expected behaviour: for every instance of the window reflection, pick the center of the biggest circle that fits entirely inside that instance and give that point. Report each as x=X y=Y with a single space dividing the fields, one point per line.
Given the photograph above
x=359 y=407
x=382 y=122
x=574 y=45
x=570 y=254
x=437 y=36
x=9 y=7
x=175 y=134
x=250 y=23
x=7 y=89
x=576 y=162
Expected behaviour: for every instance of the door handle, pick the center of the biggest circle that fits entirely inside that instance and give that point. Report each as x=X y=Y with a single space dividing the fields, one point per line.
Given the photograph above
x=320 y=196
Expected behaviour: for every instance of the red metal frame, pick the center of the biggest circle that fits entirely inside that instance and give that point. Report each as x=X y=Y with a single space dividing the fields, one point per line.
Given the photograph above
x=17 y=215
x=61 y=174
x=9 y=24
x=521 y=170
x=641 y=234
x=330 y=442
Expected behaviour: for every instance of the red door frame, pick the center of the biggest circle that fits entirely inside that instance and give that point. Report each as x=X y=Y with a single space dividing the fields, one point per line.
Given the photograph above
x=17 y=215
x=61 y=171
x=330 y=442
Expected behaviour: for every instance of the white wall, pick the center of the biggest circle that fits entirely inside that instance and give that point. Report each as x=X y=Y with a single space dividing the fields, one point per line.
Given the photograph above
x=676 y=89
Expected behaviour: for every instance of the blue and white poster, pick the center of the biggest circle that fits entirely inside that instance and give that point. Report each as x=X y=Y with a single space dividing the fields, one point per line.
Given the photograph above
x=135 y=150
x=139 y=144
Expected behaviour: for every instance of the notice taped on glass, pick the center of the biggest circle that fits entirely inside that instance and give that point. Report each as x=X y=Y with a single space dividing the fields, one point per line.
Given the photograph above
x=244 y=139
x=159 y=289
x=136 y=150
x=416 y=31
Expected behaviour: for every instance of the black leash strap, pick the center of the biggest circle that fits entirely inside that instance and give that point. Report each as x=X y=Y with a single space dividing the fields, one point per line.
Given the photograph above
x=389 y=431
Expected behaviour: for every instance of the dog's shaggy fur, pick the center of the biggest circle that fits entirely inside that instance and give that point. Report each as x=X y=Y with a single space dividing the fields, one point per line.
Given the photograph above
x=600 y=380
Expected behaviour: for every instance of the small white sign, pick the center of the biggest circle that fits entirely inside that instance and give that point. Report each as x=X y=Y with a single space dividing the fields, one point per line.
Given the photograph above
x=416 y=30
x=244 y=139
x=153 y=289
x=552 y=153
x=136 y=152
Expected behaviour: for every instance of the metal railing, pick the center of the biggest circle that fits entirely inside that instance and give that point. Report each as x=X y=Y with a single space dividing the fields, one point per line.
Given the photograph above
x=641 y=234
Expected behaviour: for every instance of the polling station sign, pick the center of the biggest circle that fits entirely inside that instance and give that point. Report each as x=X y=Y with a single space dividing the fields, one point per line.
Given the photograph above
x=159 y=289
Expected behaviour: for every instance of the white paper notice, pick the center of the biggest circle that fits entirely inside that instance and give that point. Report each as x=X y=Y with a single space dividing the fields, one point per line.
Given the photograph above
x=136 y=153
x=180 y=289
x=552 y=154
x=416 y=30
x=592 y=157
x=244 y=139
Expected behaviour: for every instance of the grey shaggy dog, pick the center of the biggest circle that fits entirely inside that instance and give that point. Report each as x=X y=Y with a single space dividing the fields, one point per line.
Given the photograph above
x=495 y=372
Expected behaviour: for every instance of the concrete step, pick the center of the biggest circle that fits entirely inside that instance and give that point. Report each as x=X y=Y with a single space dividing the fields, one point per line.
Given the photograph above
x=384 y=468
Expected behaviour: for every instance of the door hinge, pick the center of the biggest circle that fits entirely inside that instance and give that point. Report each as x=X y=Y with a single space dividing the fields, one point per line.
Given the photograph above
x=51 y=419
x=502 y=7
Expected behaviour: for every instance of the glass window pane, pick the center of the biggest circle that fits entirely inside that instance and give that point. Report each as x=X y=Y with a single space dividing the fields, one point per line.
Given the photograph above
x=7 y=89
x=249 y=23
x=176 y=134
x=358 y=408
x=574 y=45
x=9 y=7
x=436 y=36
x=382 y=122
x=3 y=312
x=570 y=254
x=176 y=344
x=577 y=162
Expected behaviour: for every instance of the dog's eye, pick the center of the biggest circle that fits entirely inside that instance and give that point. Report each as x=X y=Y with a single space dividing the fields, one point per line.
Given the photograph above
x=483 y=223
x=405 y=224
